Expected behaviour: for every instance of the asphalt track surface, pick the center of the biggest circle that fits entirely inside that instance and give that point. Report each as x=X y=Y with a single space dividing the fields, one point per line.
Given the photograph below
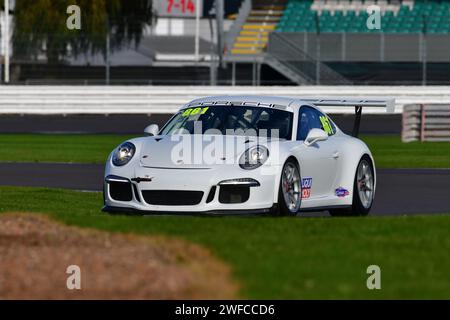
x=399 y=191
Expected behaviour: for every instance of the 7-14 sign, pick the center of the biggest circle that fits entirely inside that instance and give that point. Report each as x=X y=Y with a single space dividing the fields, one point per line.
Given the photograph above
x=178 y=8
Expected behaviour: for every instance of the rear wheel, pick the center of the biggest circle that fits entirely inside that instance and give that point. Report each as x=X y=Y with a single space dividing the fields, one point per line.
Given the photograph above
x=363 y=191
x=290 y=193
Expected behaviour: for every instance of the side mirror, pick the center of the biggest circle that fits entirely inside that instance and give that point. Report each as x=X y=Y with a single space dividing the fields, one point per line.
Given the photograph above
x=315 y=135
x=151 y=130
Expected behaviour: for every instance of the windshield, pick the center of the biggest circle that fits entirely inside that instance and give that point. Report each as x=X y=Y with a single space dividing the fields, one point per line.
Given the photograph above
x=252 y=121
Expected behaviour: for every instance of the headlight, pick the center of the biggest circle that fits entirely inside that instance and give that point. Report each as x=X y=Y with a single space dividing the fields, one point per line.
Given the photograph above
x=253 y=157
x=123 y=154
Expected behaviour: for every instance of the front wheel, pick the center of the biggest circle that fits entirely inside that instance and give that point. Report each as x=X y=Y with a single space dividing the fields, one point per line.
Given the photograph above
x=289 y=193
x=363 y=191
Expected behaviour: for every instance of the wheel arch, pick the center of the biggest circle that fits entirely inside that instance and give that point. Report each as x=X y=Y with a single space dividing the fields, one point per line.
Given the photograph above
x=278 y=175
x=351 y=156
x=372 y=161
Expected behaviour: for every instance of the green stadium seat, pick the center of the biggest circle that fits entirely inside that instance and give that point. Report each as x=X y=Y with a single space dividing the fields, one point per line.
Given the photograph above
x=350 y=13
x=433 y=31
x=298 y=17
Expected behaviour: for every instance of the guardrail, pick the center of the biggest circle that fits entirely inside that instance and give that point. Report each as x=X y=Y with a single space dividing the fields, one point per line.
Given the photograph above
x=167 y=99
x=422 y=122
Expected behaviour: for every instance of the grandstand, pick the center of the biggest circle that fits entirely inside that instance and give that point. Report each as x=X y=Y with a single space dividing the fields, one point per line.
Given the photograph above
x=262 y=20
x=270 y=42
x=350 y=16
x=329 y=41
x=331 y=16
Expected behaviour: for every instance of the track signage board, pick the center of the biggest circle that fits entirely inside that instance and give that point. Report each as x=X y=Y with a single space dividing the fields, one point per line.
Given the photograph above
x=178 y=8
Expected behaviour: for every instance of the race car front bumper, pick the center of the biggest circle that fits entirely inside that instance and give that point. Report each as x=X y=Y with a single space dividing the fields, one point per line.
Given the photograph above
x=167 y=190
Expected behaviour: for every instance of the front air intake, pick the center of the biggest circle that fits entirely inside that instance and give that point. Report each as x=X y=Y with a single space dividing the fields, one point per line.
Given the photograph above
x=120 y=191
x=234 y=194
x=172 y=197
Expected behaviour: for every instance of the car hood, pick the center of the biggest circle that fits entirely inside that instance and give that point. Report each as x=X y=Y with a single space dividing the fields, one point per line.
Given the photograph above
x=196 y=151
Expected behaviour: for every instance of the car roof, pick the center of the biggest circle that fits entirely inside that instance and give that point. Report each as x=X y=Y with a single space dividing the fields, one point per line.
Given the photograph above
x=283 y=103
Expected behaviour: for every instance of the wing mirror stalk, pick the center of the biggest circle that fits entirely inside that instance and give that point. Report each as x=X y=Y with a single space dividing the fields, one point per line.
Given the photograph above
x=315 y=135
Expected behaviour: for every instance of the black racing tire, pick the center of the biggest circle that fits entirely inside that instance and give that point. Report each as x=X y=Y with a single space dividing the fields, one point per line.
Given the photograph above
x=282 y=208
x=357 y=208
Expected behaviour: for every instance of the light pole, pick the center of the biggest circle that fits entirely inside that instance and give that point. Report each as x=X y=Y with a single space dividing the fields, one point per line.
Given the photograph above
x=212 y=65
x=197 y=30
x=6 y=41
x=219 y=21
x=317 y=50
x=424 y=51
x=108 y=57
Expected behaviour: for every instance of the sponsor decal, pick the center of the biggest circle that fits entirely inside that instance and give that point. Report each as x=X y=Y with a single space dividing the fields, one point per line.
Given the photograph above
x=306 y=193
x=326 y=125
x=306 y=187
x=194 y=111
x=139 y=179
x=341 y=192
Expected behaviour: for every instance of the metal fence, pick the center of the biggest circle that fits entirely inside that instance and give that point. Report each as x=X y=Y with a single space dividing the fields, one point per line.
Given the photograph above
x=289 y=55
x=426 y=122
x=373 y=47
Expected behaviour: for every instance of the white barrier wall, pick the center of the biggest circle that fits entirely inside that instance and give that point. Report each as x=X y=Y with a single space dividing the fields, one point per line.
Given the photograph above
x=156 y=99
x=426 y=122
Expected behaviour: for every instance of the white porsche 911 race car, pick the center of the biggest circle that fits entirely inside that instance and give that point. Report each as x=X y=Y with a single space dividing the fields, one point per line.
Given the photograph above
x=246 y=154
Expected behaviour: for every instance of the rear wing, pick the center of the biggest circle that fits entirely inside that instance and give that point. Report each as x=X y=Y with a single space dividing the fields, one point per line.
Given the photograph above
x=388 y=104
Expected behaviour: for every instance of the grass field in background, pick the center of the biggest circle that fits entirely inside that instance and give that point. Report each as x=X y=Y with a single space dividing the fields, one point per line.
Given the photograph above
x=389 y=151
x=284 y=258
x=58 y=148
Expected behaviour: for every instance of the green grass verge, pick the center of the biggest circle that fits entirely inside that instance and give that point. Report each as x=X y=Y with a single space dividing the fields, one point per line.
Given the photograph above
x=389 y=151
x=284 y=258
x=58 y=148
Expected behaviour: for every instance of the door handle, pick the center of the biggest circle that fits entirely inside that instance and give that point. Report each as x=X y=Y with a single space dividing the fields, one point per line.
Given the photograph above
x=336 y=154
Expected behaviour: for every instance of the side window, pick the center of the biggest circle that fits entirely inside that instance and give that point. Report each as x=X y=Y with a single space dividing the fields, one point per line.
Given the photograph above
x=310 y=118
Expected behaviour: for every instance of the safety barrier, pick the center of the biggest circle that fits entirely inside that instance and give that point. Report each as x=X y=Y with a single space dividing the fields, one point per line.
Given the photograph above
x=426 y=122
x=167 y=99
